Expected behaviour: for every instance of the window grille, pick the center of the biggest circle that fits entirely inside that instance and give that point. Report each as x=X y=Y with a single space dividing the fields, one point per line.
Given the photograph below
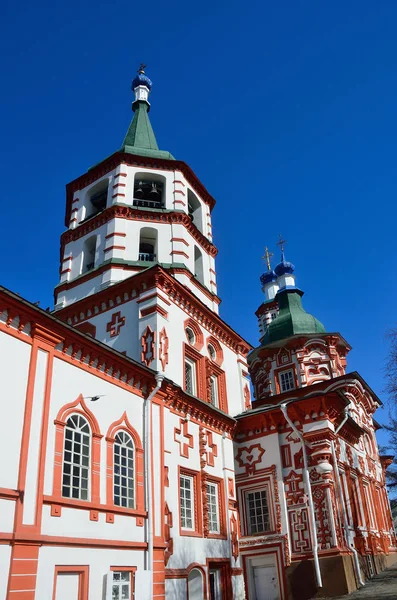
x=186 y=498
x=287 y=381
x=76 y=458
x=213 y=507
x=190 y=375
x=121 y=585
x=214 y=391
x=123 y=476
x=257 y=512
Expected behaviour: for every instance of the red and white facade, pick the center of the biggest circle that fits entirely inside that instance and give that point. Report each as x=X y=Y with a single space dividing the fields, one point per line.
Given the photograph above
x=136 y=465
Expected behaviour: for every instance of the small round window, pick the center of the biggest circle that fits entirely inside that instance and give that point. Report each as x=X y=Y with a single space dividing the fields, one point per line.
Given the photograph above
x=212 y=352
x=190 y=335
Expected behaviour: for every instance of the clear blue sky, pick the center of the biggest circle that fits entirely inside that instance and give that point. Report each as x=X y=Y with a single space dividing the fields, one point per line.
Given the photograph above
x=287 y=111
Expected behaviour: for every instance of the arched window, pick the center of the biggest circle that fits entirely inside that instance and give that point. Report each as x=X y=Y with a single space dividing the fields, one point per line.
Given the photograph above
x=198 y=265
x=195 y=210
x=123 y=470
x=147 y=244
x=96 y=199
x=89 y=250
x=76 y=458
x=149 y=190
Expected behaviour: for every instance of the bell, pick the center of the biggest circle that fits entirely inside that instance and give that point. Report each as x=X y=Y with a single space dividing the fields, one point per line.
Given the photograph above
x=139 y=191
x=154 y=194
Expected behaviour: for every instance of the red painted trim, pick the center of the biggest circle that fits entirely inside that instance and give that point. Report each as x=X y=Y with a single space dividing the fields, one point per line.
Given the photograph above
x=179 y=252
x=121 y=175
x=174 y=239
x=114 y=248
x=179 y=202
x=83 y=571
x=119 y=185
x=124 y=425
x=66 y=271
x=179 y=181
x=198 y=511
x=118 y=195
x=179 y=192
x=109 y=235
x=152 y=309
x=9 y=494
x=154 y=295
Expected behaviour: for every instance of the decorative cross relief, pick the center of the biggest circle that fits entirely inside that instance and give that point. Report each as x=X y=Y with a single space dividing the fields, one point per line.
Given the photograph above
x=183 y=438
x=211 y=449
x=115 y=324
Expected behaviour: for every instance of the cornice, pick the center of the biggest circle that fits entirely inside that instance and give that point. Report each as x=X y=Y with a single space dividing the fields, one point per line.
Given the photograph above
x=132 y=287
x=198 y=411
x=135 y=214
x=73 y=345
x=118 y=158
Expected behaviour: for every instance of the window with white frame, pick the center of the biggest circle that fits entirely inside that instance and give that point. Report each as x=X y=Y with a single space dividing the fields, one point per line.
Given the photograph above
x=214 y=391
x=121 y=585
x=213 y=507
x=190 y=376
x=257 y=511
x=123 y=470
x=76 y=458
x=186 y=491
x=286 y=379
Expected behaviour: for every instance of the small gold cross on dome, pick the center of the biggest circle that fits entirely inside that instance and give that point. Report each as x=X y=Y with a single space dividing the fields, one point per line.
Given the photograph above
x=267 y=256
x=281 y=242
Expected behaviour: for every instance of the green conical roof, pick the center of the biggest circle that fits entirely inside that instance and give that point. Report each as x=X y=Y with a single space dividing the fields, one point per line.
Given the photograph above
x=140 y=138
x=292 y=318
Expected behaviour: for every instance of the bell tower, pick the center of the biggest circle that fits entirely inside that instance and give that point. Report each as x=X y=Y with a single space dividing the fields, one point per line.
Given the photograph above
x=138 y=266
x=137 y=208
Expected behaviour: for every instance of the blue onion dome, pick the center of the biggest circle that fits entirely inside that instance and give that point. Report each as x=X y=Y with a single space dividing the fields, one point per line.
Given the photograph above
x=284 y=267
x=268 y=277
x=141 y=79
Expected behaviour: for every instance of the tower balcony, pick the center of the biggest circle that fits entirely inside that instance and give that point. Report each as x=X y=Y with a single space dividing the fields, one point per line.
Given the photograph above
x=147 y=257
x=148 y=203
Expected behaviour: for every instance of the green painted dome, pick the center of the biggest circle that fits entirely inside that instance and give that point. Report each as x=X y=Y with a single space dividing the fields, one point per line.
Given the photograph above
x=292 y=318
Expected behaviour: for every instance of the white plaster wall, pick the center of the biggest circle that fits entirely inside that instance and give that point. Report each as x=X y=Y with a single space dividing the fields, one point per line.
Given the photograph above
x=238 y=587
x=14 y=368
x=98 y=560
x=7 y=511
x=68 y=383
x=190 y=549
x=176 y=589
x=5 y=554
x=76 y=523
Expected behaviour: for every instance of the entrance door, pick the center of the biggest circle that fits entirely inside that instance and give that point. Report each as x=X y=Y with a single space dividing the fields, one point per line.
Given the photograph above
x=215 y=584
x=264 y=583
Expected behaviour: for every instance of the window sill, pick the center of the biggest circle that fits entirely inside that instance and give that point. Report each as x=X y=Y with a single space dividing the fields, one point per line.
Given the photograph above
x=217 y=536
x=260 y=534
x=188 y=533
x=93 y=506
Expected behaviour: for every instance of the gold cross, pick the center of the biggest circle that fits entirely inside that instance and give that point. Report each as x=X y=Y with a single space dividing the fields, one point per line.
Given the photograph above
x=281 y=242
x=267 y=256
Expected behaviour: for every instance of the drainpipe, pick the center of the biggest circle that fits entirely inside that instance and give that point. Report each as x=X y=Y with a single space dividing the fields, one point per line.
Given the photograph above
x=225 y=484
x=308 y=487
x=342 y=502
x=148 y=478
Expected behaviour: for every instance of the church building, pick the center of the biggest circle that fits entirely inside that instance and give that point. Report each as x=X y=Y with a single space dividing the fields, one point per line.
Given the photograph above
x=136 y=465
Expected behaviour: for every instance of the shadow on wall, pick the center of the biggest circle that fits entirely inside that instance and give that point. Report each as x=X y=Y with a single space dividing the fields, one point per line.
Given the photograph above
x=302 y=582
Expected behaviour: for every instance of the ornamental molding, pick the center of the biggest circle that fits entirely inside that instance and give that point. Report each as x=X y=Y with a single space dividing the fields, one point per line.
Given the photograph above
x=134 y=214
x=132 y=287
x=73 y=345
x=119 y=159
